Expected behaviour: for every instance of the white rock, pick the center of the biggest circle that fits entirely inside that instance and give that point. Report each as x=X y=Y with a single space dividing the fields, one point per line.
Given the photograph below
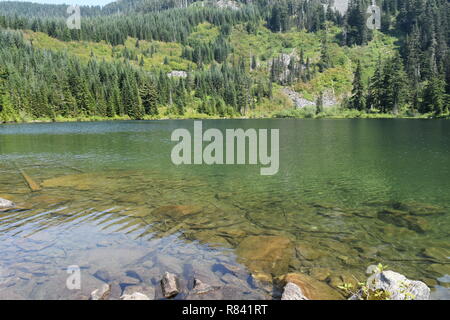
x=230 y=4
x=297 y=99
x=293 y=292
x=148 y=291
x=102 y=293
x=6 y=204
x=134 y=296
x=399 y=287
x=177 y=74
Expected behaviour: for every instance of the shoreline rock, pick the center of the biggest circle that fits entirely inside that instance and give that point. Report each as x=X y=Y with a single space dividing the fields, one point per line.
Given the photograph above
x=169 y=285
x=6 y=204
x=148 y=291
x=311 y=288
x=102 y=293
x=293 y=292
x=399 y=286
x=395 y=285
x=134 y=296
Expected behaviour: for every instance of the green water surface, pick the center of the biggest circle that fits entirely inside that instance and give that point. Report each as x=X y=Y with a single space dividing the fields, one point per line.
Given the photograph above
x=349 y=193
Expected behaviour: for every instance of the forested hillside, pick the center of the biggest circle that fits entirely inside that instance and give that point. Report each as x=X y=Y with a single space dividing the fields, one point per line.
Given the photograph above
x=143 y=59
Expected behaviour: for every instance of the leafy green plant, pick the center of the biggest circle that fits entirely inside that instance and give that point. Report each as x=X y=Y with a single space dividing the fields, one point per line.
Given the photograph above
x=363 y=292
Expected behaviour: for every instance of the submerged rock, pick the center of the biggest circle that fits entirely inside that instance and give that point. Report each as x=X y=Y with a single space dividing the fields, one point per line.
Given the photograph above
x=83 y=181
x=438 y=254
x=293 y=292
x=321 y=274
x=103 y=275
x=308 y=252
x=403 y=219
x=134 y=296
x=417 y=208
x=6 y=204
x=176 y=211
x=311 y=288
x=201 y=287
x=343 y=276
x=396 y=286
x=169 y=285
x=266 y=254
x=440 y=269
x=102 y=293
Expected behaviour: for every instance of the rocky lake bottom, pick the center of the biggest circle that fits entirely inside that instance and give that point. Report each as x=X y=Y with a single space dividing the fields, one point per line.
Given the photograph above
x=160 y=225
x=106 y=198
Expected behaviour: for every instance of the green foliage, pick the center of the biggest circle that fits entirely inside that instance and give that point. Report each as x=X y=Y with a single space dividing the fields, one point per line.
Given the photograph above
x=358 y=99
x=117 y=65
x=434 y=96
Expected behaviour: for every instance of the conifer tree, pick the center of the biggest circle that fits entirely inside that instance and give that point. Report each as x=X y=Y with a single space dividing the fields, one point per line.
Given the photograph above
x=358 y=99
x=433 y=99
x=149 y=98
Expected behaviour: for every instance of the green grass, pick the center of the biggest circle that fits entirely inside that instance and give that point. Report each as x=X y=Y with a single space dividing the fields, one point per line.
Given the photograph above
x=204 y=33
x=104 y=51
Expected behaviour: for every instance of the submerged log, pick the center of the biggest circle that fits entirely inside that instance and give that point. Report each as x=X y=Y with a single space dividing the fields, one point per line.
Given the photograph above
x=33 y=185
x=73 y=168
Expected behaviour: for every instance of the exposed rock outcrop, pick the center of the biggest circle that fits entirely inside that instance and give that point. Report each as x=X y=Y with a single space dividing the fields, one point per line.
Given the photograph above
x=297 y=99
x=329 y=99
x=227 y=4
x=177 y=74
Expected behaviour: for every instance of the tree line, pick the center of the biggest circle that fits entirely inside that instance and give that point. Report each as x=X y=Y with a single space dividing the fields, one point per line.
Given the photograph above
x=45 y=83
x=418 y=76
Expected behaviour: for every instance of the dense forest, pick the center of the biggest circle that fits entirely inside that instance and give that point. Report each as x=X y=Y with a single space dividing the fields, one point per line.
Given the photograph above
x=126 y=54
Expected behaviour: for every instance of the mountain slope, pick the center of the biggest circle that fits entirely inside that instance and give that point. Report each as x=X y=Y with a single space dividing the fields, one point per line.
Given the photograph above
x=253 y=59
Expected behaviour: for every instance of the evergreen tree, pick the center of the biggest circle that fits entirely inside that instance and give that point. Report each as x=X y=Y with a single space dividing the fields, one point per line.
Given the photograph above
x=149 y=98
x=434 y=97
x=376 y=88
x=358 y=99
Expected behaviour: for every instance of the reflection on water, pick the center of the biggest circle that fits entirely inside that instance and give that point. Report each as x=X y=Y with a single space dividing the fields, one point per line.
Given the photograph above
x=348 y=194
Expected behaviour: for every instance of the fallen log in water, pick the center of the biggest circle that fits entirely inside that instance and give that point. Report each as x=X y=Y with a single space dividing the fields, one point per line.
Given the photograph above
x=73 y=168
x=34 y=186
